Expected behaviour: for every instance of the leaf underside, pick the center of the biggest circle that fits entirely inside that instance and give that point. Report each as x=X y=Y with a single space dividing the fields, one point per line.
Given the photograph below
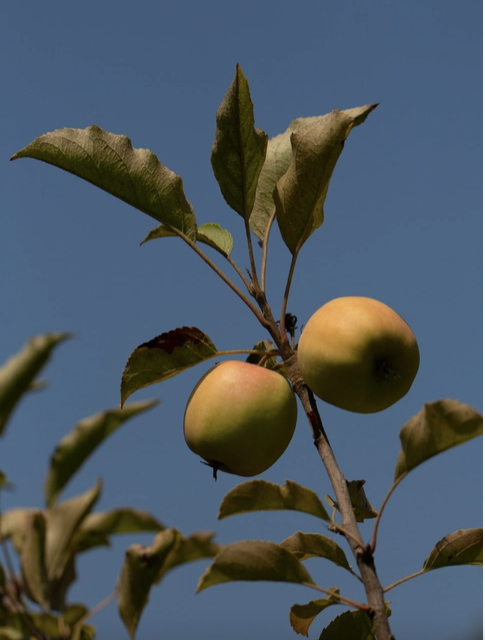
x=110 y=162
x=439 y=426
x=260 y=495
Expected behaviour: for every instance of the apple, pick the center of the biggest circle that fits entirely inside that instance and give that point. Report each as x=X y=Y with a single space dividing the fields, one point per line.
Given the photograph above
x=358 y=354
x=240 y=418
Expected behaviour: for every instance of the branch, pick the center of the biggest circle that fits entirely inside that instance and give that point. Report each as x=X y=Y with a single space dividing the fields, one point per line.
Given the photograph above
x=350 y=529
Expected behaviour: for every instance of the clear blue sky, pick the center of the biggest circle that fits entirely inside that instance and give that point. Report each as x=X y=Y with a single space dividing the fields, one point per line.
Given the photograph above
x=403 y=225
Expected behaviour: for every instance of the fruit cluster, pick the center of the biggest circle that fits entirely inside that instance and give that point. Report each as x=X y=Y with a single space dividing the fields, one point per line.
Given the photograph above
x=355 y=353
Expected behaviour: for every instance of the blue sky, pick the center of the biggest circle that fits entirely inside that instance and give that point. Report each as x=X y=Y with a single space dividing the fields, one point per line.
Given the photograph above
x=402 y=224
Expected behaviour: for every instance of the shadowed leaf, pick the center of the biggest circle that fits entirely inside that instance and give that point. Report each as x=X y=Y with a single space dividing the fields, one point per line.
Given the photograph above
x=13 y=524
x=315 y=545
x=61 y=584
x=32 y=559
x=77 y=446
x=63 y=521
x=239 y=149
x=302 y=615
x=260 y=495
x=110 y=162
x=18 y=373
x=195 y=547
x=277 y=163
x=164 y=357
x=116 y=521
x=464 y=546
x=210 y=233
x=254 y=560
x=138 y=574
x=355 y=625
x=271 y=362
x=300 y=193
x=439 y=426
x=361 y=506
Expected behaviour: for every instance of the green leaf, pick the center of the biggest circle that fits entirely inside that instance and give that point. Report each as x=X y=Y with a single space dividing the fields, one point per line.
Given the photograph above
x=302 y=615
x=61 y=584
x=271 y=362
x=77 y=446
x=138 y=574
x=109 y=161
x=209 y=233
x=164 y=357
x=32 y=559
x=216 y=237
x=276 y=164
x=300 y=193
x=73 y=614
x=254 y=560
x=18 y=373
x=464 y=546
x=63 y=521
x=315 y=545
x=13 y=524
x=198 y=546
x=260 y=495
x=355 y=625
x=439 y=426
x=239 y=149
x=126 y=520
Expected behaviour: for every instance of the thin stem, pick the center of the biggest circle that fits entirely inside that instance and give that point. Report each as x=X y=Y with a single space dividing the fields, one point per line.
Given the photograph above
x=256 y=352
x=286 y=295
x=252 y=262
x=373 y=543
x=221 y=274
x=239 y=272
x=98 y=607
x=413 y=575
x=338 y=529
x=337 y=596
x=264 y=257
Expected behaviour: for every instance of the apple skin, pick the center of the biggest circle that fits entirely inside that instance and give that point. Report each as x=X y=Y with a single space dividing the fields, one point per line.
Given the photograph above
x=358 y=354
x=240 y=418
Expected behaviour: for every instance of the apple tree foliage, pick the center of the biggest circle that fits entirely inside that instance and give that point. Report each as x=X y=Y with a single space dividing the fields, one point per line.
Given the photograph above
x=284 y=179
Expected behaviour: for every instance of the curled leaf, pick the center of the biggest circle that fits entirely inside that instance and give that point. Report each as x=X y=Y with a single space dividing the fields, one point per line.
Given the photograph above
x=164 y=357
x=138 y=574
x=18 y=373
x=210 y=233
x=464 y=546
x=254 y=560
x=439 y=426
x=77 y=446
x=260 y=495
x=315 y=545
x=302 y=615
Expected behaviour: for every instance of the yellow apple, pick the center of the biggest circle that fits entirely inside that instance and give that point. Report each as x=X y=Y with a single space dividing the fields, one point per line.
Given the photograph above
x=240 y=418
x=358 y=354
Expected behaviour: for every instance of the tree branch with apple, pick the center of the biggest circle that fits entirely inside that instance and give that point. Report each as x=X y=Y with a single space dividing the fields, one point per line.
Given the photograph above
x=355 y=353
